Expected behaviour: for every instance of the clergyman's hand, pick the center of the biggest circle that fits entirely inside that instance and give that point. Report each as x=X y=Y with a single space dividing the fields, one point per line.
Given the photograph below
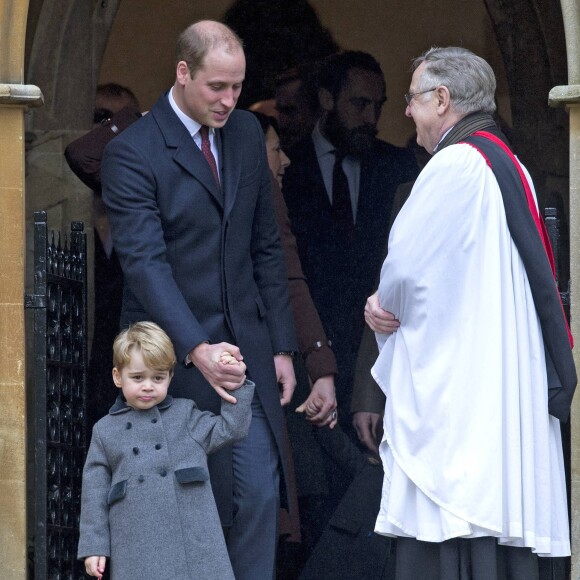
x=379 y=320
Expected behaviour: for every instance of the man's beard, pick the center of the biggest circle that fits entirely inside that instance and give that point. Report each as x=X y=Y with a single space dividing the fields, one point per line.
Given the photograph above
x=356 y=142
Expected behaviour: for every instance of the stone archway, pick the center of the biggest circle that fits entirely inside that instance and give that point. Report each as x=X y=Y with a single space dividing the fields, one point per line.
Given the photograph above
x=58 y=56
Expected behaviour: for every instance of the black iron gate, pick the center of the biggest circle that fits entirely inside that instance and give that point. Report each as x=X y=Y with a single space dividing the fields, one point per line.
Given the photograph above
x=57 y=400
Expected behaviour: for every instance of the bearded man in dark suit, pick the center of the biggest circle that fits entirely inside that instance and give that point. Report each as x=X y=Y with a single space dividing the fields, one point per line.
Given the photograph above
x=189 y=197
x=339 y=190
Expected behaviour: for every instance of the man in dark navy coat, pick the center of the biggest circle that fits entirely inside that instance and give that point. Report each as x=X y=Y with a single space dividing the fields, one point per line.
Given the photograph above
x=188 y=193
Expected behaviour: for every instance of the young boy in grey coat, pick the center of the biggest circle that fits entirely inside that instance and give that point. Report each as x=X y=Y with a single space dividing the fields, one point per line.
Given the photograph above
x=147 y=502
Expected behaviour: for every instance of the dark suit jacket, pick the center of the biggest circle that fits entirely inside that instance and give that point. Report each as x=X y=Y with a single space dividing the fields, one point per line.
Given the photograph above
x=341 y=274
x=205 y=264
x=84 y=156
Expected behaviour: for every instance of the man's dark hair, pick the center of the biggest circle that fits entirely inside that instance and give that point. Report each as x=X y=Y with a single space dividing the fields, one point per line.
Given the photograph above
x=307 y=74
x=334 y=69
x=266 y=121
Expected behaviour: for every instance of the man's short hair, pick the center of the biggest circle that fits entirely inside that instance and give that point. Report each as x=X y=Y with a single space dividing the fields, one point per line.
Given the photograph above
x=150 y=340
x=469 y=78
x=198 y=39
x=333 y=71
x=306 y=74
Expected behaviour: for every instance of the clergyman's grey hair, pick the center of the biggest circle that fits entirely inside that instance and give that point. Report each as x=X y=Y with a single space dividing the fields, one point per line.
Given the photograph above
x=469 y=78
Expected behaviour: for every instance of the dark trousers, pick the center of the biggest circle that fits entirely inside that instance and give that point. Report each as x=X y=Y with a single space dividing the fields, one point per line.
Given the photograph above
x=252 y=539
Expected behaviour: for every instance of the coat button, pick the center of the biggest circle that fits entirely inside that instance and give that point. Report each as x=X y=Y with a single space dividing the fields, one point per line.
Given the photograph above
x=153 y=420
x=158 y=446
x=141 y=479
x=136 y=450
x=163 y=473
x=129 y=425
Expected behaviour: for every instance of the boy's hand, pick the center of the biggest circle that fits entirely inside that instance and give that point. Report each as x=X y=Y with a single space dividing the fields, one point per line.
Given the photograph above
x=95 y=566
x=223 y=377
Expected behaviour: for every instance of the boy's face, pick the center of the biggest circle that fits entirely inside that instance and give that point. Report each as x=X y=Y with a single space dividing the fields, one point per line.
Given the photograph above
x=143 y=387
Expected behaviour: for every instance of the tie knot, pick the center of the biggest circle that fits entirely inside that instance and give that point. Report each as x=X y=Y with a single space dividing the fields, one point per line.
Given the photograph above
x=204 y=132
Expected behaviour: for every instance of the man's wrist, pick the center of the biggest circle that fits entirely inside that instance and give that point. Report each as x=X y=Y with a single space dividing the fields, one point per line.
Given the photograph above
x=289 y=353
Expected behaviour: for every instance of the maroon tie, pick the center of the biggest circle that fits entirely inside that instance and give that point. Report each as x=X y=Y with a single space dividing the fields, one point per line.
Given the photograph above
x=206 y=150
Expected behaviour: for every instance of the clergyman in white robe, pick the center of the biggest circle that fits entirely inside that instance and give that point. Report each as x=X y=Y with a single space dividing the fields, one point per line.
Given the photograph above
x=469 y=448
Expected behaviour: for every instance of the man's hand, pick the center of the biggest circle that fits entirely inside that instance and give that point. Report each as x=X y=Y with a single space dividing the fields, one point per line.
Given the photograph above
x=95 y=566
x=320 y=406
x=378 y=319
x=285 y=377
x=369 y=428
x=218 y=369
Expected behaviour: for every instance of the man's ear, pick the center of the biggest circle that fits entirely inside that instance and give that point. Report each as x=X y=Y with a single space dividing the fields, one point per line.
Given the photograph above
x=182 y=72
x=325 y=99
x=443 y=99
x=117 y=377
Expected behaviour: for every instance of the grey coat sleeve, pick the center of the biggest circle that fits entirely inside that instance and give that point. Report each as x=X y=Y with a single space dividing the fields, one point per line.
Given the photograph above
x=214 y=431
x=94 y=524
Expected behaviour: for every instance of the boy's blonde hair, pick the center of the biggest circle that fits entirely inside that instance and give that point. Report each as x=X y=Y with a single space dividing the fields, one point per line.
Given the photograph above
x=153 y=343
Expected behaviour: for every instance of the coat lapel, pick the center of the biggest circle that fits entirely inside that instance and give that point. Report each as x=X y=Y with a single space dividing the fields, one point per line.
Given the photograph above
x=230 y=166
x=186 y=153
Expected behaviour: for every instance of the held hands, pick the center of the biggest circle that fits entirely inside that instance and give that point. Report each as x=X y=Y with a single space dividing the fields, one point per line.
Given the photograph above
x=95 y=566
x=285 y=376
x=320 y=406
x=378 y=319
x=222 y=366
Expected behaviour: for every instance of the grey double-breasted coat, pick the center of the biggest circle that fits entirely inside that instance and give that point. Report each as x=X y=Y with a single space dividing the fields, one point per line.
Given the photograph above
x=147 y=503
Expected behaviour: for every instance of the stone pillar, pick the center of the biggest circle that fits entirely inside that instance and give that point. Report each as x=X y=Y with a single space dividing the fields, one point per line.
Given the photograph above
x=15 y=97
x=569 y=96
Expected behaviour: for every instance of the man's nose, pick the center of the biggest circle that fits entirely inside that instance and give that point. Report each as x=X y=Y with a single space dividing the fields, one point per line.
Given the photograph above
x=371 y=114
x=408 y=111
x=228 y=99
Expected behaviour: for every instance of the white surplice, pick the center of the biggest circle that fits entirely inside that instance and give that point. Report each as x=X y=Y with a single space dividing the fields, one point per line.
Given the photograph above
x=469 y=448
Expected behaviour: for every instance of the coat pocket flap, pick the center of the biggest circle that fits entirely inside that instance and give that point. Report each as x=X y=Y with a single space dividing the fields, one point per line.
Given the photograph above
x=117 y=492
x=191 y=474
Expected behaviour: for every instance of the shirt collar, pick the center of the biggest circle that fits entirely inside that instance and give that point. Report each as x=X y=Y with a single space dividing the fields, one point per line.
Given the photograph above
x=191 y=125
x=322 y=145
x=442 y=137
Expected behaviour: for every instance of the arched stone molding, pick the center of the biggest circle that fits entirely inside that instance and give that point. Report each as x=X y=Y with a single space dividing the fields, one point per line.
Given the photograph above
x=69 y=37
x=531 y=39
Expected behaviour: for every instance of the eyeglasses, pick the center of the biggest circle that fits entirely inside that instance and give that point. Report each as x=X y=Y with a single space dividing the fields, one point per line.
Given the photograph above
x=409 y=96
